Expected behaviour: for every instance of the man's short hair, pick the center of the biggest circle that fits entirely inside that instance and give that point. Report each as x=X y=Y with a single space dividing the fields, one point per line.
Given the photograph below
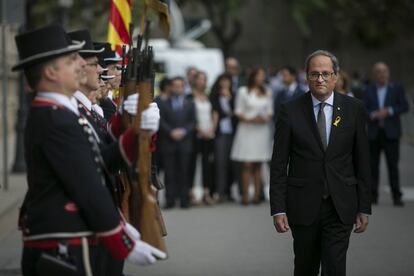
x=164 y=83
x=290 y=69
x=34 y=73
x=335 y=62
x=176 y=79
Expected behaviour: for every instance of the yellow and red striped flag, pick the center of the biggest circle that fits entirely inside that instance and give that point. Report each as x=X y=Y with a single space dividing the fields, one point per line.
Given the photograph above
x=119 y=21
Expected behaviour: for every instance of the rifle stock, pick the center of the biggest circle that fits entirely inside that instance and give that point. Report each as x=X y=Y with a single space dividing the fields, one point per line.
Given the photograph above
x=150 y=222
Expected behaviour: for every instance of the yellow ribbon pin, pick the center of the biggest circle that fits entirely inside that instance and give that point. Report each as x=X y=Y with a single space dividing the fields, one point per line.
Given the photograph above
x=337 y=120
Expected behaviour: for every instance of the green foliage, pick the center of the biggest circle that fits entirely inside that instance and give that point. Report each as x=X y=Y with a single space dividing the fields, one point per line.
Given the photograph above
x=224 y=15
x=90 y=14
x=374 y=23
x=302 y=10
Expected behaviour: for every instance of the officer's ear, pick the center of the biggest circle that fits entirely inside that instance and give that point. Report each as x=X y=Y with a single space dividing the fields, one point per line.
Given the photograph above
x=50 y=71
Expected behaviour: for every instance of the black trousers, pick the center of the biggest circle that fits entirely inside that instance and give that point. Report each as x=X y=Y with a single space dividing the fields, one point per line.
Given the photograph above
x=108 y=265
x=176 y=166
x=31 y=256
x=204 y=148
x=391 y=147
x=323 y=243
x=223 y=165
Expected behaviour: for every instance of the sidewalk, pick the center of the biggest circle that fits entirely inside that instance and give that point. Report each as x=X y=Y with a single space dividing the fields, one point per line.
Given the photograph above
x=10 y=201
x=18 y=185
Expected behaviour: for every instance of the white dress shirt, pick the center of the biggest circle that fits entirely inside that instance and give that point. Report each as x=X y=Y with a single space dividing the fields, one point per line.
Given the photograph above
x=83 y=99
x=98 y=109
x=292 y=88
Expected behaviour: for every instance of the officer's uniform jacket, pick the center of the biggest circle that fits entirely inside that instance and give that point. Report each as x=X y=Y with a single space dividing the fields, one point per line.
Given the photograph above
x=66 y=169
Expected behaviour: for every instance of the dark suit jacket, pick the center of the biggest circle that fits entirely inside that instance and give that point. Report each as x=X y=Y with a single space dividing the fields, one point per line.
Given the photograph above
x=394 y=98
x=284 y=97
x=170 y=119
x=300 y=166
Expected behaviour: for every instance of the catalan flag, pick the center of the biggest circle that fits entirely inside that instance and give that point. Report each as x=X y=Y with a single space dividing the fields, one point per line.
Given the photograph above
x=163 y=10
x=119 y=21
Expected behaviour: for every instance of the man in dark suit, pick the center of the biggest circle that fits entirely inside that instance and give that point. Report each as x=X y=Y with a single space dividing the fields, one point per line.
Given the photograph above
x=385 y=102
x=177 y=127
x=320 y=171
x=290 y=91
x=232 y=67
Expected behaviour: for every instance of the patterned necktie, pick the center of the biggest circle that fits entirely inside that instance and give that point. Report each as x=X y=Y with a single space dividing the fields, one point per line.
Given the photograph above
x=321 y=122
x=99 y=120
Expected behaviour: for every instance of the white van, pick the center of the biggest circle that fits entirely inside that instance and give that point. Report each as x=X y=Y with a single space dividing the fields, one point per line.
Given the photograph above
x=173 y=62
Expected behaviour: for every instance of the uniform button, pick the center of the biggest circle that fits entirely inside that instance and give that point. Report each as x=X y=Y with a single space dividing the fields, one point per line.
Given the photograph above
x=90 y=139
x=99 y=170
x=96 y=159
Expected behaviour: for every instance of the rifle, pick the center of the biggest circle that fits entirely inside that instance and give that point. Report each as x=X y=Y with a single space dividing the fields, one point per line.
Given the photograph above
x=139 y=205
x=150 y=222
x=123 y=76
x=128 y=205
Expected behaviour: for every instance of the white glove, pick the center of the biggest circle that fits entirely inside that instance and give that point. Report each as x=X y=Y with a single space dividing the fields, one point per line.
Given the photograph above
x=131 y=104
x=144 y=254
x=133 y=233
x=150 y=118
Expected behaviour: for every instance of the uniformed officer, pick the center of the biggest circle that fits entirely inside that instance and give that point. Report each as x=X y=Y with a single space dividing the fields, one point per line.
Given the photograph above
x=67 y=211
x=107 y=143
x=114 y=71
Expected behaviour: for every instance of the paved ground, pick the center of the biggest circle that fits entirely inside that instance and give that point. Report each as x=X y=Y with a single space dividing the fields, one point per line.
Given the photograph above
x=234 y=240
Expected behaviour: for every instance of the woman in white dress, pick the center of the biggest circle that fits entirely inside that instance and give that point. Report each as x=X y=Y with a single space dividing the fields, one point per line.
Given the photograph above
x=253 y=141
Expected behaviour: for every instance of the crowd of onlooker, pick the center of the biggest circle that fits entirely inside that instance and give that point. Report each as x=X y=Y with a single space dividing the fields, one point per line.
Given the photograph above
x=230 y=127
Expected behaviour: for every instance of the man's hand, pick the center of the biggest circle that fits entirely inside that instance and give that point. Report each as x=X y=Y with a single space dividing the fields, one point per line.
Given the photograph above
x=150 y=118
x=177 y=134
x=281 y=223
x=381 y=114
x=361 y=223
x=145 y=254
x=130 y=104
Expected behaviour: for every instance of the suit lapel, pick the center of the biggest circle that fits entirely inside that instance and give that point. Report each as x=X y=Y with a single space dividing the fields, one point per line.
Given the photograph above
x=388 y=93
x=310 y=115
x=336 y=120
x=374 y=95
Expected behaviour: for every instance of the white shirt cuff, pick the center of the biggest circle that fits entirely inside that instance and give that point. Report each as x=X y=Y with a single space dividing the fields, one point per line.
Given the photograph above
x=278 y=214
